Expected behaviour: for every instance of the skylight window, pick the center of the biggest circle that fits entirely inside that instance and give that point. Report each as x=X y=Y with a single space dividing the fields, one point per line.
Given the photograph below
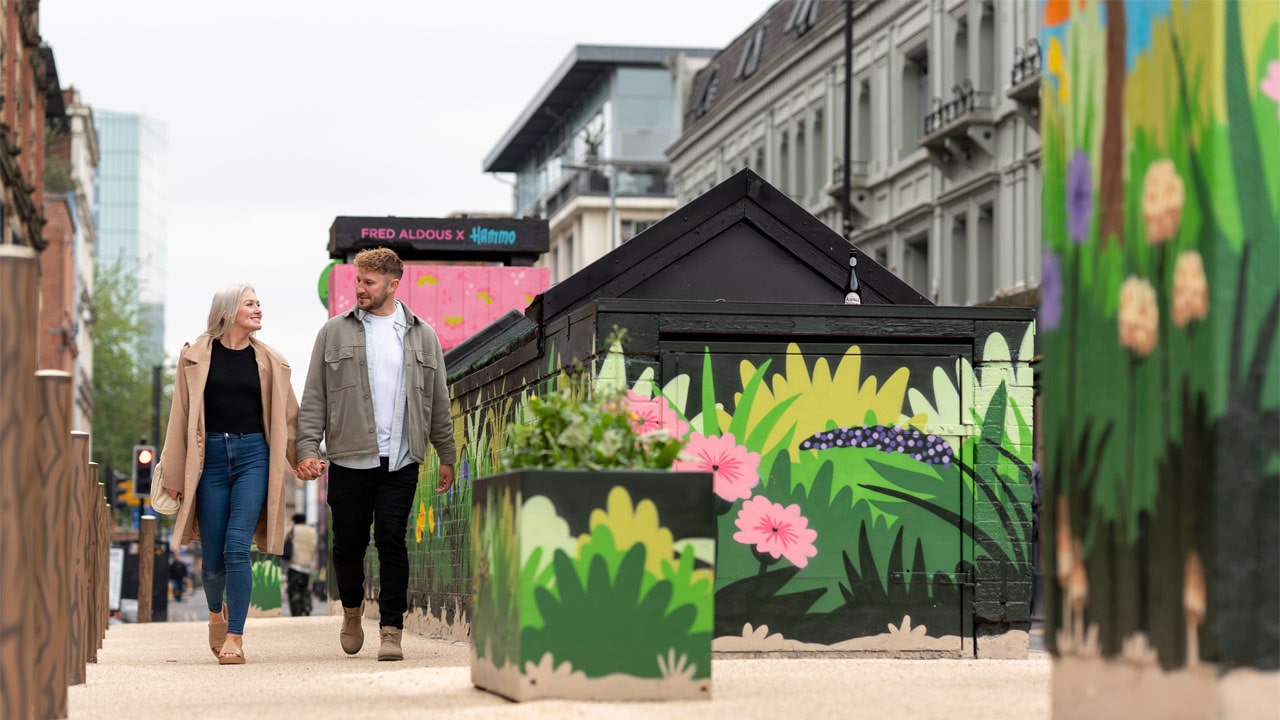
x=750 y=61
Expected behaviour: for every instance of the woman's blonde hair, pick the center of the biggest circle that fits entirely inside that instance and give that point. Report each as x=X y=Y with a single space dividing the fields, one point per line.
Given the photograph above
x=222 y=313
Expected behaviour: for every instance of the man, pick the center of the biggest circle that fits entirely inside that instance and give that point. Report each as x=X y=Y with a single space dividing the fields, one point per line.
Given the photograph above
x=375 y=391
x=300 y=553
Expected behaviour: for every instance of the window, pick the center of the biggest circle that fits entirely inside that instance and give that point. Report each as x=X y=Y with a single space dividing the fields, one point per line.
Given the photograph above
x=803 y=16
x=987 y=79
x=800 y=177
x=959 y=290
x=915 y=97
x=570 y=257
x=915 y=263
x=986 y=253
x=960 y=63
x=750 y=61
x=784 y=163
x=819 y=143
x=760 y=161
x=863 y=137
x=554 y=263
x=708 y=96
x=632 y=228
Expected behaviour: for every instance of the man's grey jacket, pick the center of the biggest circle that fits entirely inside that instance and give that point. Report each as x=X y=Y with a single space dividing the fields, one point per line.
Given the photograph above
x=337 y=403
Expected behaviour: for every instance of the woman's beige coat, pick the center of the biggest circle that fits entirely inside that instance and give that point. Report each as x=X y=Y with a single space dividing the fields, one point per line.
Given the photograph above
x=182 y=458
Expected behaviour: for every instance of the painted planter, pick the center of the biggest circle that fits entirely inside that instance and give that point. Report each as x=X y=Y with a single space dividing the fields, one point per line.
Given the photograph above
x=593 y=585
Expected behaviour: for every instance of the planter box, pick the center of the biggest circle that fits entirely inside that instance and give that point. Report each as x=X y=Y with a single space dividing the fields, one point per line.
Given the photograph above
x=593 y=585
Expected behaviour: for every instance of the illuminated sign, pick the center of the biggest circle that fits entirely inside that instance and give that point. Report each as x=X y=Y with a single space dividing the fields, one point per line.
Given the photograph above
x=517 y=241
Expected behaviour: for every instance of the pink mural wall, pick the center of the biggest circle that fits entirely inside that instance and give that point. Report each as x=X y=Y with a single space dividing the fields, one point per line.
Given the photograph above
x=457 y=300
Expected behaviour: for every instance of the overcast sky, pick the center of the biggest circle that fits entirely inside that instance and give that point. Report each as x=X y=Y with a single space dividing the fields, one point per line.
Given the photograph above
x=282 y=115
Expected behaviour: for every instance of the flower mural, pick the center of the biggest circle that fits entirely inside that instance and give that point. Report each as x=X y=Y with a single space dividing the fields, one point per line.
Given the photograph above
x=781 y=532
x=1190 y=289
x=822 y=395
x=1050 y=310
x=653 y=414
x=1139 y=317
x=1271 y=84
x=1079 y=196
x=736 y=468
x=1162 y=197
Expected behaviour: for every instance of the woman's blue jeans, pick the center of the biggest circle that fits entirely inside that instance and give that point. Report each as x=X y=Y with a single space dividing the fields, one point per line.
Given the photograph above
x=229 y=500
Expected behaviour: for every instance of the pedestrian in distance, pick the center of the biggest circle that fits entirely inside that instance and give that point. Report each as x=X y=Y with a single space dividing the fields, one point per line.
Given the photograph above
x=229 y=446
x=177 y=577
x=300 y=553
x=375 y=393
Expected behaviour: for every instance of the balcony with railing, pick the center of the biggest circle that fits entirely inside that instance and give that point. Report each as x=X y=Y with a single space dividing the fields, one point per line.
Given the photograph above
x=592 y=178
x=858 y=187
x=958 y=126
x=1024 y=80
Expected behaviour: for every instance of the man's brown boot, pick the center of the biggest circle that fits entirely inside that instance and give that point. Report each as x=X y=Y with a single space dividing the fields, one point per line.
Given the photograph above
x=352 y=635
x=390 y=649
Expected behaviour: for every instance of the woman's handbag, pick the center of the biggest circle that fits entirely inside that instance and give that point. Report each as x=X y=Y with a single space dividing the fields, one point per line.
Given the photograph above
x=161 y=501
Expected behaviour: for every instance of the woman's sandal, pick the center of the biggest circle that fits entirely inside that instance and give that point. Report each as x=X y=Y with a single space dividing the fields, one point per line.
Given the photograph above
x=218 y=633
x=229 y=656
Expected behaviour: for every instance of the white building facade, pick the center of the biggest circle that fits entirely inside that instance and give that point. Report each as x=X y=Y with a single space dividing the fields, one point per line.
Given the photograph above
x=945 y=176
x=83 y=167
x=587 y=152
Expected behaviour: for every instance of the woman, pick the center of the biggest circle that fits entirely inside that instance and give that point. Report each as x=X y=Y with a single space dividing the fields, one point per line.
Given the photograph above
x=229 y=446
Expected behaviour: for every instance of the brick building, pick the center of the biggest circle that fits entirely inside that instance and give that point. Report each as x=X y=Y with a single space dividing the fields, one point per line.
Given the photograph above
x=28 y=80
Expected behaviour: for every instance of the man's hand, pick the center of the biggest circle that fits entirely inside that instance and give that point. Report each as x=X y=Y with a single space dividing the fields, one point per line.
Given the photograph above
x=309 y=469
x=446 y=479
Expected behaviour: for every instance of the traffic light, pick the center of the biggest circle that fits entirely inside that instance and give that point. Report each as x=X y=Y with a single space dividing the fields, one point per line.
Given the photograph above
x=144 y=461
x=120 y=494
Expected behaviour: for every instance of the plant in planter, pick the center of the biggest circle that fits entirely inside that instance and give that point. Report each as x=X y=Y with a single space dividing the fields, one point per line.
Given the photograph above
x=593 y=562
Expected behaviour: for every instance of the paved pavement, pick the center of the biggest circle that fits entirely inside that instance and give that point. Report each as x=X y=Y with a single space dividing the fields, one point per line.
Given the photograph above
x=296 y=669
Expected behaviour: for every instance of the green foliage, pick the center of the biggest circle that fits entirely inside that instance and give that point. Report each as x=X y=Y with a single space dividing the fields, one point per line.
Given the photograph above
x=572 y=428
x=121 y=382
x=494 y=548
x=610 y=623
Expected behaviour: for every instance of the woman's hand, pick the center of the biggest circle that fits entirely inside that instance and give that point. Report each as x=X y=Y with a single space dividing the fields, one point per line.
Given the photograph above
x=175 y=494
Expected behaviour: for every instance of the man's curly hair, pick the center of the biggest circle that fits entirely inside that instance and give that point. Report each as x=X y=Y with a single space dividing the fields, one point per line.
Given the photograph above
x=383 y=261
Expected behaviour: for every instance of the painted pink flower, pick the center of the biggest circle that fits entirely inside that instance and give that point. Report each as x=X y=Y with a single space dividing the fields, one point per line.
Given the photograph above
x=1271 y=83
x=649 y=414
x=779 y=531
x=736 y=468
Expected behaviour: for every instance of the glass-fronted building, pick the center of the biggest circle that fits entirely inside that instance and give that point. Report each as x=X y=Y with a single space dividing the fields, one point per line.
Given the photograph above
x=588 y=153
x=131 y=209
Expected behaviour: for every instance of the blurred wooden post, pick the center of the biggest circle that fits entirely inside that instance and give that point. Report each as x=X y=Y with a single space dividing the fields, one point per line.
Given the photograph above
x=93 y=500
x=19 y=321
x=49 y=542
x=146 y=566
x=104 y=565
x=78 y=595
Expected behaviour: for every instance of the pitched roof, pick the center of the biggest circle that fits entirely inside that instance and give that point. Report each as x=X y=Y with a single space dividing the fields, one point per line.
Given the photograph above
x=771 y=38
x=743 y=240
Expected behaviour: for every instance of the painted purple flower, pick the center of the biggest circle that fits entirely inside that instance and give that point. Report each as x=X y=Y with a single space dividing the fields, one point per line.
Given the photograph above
x=1050 y=290
x=1079 y=196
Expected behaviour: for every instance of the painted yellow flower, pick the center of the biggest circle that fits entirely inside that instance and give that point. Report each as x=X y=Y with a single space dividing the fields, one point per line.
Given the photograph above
x=1190 y=289
x=1162 y=197
x=431 y=519
x=1139 y=317
x=631 y=526
x=841 y=398
x=1058 y=68
x=421 y=523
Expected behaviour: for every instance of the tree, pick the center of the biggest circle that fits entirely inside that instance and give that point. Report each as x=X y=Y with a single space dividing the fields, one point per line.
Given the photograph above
x=121 y=383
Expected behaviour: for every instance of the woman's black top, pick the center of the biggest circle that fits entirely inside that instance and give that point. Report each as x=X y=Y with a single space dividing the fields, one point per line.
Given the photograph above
x=233 y=394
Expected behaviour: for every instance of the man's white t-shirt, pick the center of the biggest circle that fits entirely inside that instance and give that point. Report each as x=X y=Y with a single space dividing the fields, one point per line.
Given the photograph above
x=387 y=372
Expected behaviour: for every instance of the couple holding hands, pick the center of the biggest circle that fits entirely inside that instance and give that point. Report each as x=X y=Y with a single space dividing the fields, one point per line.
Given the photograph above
x=375 y=393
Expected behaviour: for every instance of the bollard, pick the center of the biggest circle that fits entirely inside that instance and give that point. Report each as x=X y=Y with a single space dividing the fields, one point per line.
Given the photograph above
x=19 y=298
x=49 y=543
x=77 y=595
x=146 y=566
x=104 y=567
x=92 y=566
